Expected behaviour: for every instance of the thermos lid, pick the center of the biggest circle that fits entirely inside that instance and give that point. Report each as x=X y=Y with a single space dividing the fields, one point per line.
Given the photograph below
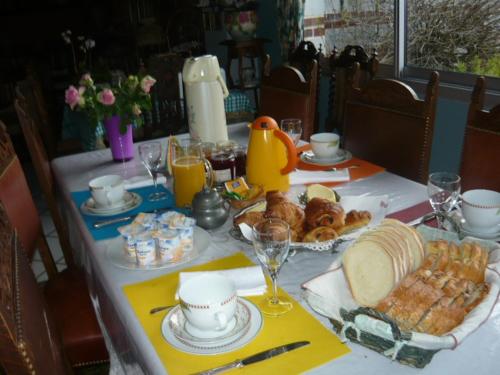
x=264 y=123
x=201 y=69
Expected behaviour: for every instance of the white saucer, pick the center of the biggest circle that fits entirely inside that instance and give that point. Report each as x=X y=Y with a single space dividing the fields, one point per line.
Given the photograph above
x=223 y=345
x=341 y=157
x=117 y=256
x=238 y=326
x=131 y=200
x=458 y=218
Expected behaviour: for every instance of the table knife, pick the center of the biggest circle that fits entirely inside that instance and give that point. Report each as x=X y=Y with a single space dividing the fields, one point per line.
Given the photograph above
x=266 y=354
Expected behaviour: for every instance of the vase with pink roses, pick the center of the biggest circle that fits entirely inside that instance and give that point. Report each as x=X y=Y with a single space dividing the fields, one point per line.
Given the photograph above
x=119 y=107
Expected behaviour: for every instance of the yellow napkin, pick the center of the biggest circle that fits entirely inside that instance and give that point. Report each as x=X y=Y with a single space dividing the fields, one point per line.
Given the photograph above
x=296 y=325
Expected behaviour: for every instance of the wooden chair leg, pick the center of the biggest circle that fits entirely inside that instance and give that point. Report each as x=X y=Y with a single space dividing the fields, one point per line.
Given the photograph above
x=47 y=258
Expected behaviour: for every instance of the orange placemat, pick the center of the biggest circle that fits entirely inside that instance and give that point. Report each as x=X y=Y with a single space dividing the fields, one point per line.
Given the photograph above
x=297 y=325
x=365 y=168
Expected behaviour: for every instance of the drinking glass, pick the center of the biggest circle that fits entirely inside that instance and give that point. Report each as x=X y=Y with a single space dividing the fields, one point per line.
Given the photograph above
x=271 y=241
x=151 y=156
x=293 y=127
x=443 y=189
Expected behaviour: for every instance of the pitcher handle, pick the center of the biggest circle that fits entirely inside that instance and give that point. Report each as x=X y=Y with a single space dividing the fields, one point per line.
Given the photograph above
x=209 y=173
x=292 y=151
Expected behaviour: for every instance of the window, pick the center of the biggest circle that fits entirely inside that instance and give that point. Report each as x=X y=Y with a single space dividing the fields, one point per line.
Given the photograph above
x=456 y=37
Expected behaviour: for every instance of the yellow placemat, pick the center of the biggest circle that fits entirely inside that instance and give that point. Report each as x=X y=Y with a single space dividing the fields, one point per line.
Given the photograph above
x=297 y=325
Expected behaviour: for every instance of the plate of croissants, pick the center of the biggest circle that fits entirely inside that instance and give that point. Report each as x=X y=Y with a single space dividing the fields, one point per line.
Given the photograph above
x=317 y=224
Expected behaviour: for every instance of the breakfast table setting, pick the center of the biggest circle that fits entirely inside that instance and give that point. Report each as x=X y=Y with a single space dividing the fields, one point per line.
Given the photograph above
x=158 y=268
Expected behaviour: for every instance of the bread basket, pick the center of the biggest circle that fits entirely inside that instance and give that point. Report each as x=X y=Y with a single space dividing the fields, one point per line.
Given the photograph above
x=329 y=295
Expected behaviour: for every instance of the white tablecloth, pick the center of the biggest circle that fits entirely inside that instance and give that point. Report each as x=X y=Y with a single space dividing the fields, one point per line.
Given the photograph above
x=133 y=353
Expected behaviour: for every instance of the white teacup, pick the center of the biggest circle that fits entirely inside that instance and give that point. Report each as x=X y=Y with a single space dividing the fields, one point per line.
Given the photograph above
x=107 y=191
x=481 y=210
x=325 y=145
x=208 y=302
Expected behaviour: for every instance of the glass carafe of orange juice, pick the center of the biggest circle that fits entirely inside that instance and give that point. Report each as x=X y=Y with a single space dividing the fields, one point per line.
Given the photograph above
x=190 y=170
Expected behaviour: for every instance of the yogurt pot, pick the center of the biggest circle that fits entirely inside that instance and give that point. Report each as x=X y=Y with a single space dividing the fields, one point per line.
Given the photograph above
x=129 y=234
x=169 y=244
x=145 y=247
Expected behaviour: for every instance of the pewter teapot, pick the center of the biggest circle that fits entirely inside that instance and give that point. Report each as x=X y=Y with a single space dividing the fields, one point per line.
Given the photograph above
x=209 y=209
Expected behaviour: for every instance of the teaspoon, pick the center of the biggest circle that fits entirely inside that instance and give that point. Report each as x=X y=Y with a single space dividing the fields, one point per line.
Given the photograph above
x=160 y=308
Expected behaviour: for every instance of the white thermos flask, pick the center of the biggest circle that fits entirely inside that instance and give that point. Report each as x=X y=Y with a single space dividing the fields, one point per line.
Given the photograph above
x=205 y=93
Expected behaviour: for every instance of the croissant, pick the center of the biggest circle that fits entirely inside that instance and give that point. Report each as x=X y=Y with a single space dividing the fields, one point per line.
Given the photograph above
x=251 y=218
x=278 y=206
x=354 y=220
x=322 y=212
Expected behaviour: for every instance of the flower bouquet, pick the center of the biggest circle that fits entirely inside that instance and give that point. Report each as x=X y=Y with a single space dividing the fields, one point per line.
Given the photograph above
x=118 y=107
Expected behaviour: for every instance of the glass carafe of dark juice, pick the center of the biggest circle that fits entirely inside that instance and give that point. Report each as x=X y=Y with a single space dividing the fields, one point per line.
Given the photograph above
x=240 y=155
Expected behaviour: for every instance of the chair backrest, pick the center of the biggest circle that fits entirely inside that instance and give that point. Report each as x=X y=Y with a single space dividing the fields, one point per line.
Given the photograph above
x=481 y=147
x=388 y=125
x=31 y=89
x=43 y=171
x=342 y=78
x=16 y=198
x=284 y=93
x=29 y=342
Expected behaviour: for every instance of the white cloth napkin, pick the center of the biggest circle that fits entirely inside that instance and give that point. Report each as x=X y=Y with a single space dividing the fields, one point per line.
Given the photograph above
x=249 y=281
x=143 y=180
x=300 y=177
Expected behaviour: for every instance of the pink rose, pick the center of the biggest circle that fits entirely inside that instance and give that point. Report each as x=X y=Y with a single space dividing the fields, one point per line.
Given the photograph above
x=136 y=110
x=106 y=97
x=74 y=96
x=146 y=83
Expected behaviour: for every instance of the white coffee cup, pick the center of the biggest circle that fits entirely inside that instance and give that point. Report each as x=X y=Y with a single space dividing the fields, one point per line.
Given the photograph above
x=325 y=145
x=107 y=191
x=481 y=210
x=208 y=302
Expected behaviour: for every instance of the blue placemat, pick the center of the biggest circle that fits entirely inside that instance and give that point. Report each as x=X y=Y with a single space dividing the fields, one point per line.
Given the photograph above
x=110 y=231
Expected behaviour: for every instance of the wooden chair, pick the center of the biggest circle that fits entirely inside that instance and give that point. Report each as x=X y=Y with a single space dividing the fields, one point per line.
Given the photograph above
x=43 y=171
x=66 y=292
x=303 y=58
x=385 y=123
x=284 y=93
x=30 y=90
x=342 y=78
x=29 y=341
x=481 y=147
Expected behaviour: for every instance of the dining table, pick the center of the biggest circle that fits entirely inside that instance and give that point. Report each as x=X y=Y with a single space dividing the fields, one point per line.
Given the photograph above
x=131 y=351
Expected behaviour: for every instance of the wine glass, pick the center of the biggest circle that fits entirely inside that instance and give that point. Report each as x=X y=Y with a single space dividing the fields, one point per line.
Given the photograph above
x=271 y=241
x=151 y=155
x=443 y=189
x=293 y=127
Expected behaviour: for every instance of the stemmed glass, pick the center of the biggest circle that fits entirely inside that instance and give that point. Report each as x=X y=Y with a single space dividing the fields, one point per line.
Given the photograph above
x=271 y=241
x=443 y=189
x=151 y=155
x=293 y=127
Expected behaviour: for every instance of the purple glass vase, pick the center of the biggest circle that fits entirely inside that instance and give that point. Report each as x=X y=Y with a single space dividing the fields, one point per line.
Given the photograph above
x=122 y=145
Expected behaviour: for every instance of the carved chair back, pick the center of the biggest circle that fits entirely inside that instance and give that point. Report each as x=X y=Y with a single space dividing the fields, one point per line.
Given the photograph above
x=481 y=147
x=387 y=124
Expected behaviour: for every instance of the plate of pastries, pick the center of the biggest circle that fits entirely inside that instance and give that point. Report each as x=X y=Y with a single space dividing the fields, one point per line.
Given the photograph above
x=318 y=223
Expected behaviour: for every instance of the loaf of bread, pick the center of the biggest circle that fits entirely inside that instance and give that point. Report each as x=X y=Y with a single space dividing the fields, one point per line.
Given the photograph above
x=380 y=259
x=436 y=297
